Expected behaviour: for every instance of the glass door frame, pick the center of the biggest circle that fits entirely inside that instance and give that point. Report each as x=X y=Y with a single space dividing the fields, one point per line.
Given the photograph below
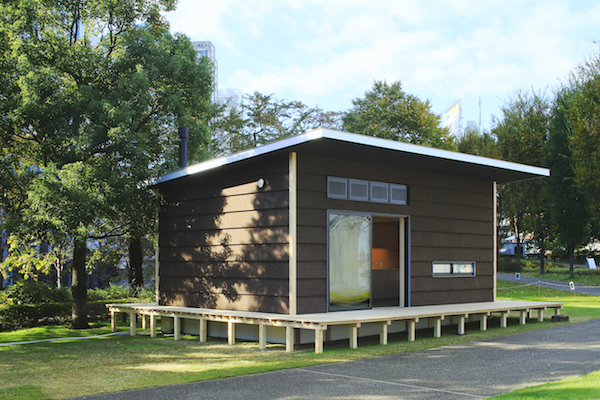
x=405 y=246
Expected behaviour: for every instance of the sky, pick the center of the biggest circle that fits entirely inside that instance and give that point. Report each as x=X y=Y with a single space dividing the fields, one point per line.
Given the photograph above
x=328 y=52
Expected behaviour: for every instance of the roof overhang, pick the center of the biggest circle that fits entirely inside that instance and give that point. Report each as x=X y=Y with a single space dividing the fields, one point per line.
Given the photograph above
x=353 y=147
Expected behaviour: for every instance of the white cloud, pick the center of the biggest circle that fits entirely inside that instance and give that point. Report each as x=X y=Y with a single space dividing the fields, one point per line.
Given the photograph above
x=330 y=52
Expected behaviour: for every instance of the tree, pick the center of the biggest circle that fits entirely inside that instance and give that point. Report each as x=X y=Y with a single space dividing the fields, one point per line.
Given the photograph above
x=99 y=89
x=263 y=119
x=568 y=204
x=522 y=136
x=479 y=144
x=584 y=122
x=390 y=113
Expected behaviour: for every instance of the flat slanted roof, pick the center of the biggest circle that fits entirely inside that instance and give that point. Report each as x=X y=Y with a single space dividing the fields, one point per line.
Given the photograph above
x=372 y=150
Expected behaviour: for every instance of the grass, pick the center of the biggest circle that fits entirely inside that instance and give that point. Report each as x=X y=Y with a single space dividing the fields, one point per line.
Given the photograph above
x=560 y=272
x=54 y=370
x=51 y=332
x=579 y=307
x=584 y=388
x=581 y=276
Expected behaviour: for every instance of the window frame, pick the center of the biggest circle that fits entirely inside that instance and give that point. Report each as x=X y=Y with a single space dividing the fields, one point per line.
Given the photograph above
x=452 y=273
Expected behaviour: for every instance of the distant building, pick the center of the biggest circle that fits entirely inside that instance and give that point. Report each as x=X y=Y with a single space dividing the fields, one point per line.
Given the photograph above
x=207 y=49
x=231 y=98
x=451 y=118
x=473 y=126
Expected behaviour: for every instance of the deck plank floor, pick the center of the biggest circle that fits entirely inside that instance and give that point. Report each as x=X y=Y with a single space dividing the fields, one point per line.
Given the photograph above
x=320 y=321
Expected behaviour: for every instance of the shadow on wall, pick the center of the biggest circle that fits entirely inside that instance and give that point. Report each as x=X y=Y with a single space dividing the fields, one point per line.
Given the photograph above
x=226 y=246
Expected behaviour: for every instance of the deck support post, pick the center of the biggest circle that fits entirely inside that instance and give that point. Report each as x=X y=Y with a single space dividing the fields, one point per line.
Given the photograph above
x=540 y=315
x=461 y=325
x=176 y=327
x=483 y=322
x=503 y=319
x=383 y=332
x=319 y=341
x=230 y=332
x=437 y=327
x=354 y=336
x=153 y=326
x=289 y=339
x=262 y=336
x=113 y=320
x=202 y=330
x=410 y=327
x=523 y=317
x=132 y=321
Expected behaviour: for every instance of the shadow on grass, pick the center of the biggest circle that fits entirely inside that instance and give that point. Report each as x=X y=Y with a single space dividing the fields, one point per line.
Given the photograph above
x=25 y=392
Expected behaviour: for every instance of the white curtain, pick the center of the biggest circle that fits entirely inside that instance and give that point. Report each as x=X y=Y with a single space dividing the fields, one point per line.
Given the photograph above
x=349 y=261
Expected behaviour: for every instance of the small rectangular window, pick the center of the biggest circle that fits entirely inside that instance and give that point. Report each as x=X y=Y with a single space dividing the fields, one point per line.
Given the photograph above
x=337 y=188
x=369 y=191
x=379 y=192
x=444 y=269
x=398 y=194
x=358 y=190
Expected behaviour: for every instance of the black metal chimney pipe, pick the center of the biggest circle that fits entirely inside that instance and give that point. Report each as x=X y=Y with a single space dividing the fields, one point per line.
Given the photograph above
x=183 y=145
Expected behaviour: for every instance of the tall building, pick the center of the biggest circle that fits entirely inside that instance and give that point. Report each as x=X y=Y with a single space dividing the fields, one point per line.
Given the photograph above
x=231 y=98
x=207 y=49
x=451 y=117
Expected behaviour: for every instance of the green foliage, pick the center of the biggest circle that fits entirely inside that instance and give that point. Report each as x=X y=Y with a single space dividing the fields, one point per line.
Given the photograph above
x=25 y=292
x=16 y=316
x=583 y=114
x=263 y=119
x=472 y=142
x=388 y=112
x=522 y=137
x=91 y=94
x=506 y=264
x=569 y=209
x=112 y=292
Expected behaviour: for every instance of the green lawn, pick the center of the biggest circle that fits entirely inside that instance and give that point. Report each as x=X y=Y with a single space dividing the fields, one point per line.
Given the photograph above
x=584 y=388
x=54 y=370
x=560 y=272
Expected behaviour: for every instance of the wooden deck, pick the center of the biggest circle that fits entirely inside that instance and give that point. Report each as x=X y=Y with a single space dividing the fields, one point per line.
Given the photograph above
x=319 y=322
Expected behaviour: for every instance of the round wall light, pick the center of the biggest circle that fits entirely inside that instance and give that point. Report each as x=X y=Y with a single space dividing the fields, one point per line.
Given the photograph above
x=261 y=183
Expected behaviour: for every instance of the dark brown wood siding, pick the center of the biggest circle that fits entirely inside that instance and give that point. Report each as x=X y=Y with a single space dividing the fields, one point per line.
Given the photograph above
x=223 y=241
x=450 y=219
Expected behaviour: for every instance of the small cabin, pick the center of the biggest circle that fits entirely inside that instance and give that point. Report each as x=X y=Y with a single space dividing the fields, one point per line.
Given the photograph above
x=329 y=221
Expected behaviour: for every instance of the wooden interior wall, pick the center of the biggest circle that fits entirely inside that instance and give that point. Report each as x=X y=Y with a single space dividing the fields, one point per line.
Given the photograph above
x=223 y=241
x=451 y=219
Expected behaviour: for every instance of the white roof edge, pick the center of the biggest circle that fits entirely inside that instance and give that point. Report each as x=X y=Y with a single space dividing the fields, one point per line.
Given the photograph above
x=433 y=152
x=350 y=138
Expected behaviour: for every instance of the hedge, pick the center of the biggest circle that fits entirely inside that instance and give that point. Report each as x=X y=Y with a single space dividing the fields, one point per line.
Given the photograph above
x=16 y=316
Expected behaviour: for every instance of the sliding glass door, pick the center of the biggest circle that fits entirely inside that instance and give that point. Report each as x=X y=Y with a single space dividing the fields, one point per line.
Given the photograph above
x=349 y=261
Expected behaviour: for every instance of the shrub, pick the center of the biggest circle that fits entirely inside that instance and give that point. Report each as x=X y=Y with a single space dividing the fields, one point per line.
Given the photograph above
x=111 y=292
x=509 y=265
x=16 y=316
x=25 y=292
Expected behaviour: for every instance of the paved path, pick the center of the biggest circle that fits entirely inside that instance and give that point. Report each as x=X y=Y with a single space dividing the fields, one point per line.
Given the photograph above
x=464 y=371
x=595 y=290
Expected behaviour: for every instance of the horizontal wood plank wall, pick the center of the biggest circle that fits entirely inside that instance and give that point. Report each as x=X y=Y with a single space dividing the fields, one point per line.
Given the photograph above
x=451 y=219
x=223 y=241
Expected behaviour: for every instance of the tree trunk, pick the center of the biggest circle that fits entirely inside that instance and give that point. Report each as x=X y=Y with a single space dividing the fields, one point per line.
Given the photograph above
x=136 y=259
x=542 y=254
x=571 y=250
x=518 y=249
x=79 y=286
x=1 y=260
